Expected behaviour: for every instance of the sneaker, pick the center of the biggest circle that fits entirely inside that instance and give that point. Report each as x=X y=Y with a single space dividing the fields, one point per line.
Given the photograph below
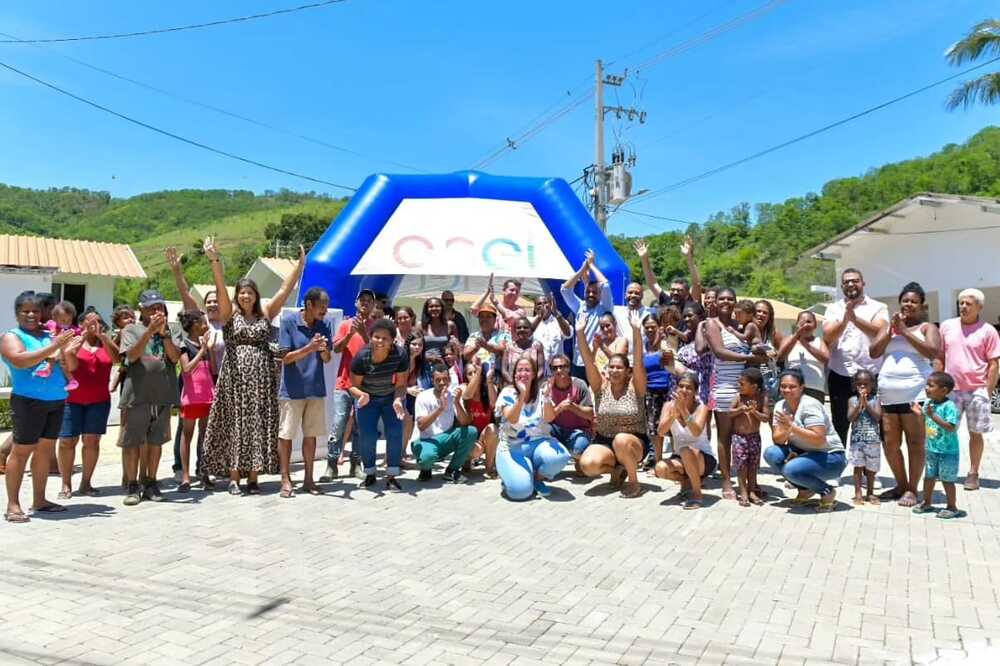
x=392 y=484
x=134 y=494
x=453 y=475
x=542 y=489
x=152 y=492
x=424 y=476
x=330 y=474
x=368 y=481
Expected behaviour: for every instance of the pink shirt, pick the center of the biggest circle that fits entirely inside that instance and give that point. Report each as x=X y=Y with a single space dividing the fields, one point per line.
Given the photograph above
x=199 y=389
x=968 y=351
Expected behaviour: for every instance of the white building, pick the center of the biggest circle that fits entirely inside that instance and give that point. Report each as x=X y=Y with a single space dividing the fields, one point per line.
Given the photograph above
x=82 y=272
x=945 y=242
x=269 y=272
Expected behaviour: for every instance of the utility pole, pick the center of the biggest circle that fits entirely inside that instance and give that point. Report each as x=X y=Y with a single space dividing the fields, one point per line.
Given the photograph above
x=600 y=195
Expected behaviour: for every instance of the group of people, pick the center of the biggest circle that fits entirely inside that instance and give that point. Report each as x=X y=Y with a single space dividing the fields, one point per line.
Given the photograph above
x=613 y=388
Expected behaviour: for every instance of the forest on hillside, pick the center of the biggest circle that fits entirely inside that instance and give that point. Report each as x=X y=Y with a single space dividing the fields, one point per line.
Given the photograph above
x=756 y=248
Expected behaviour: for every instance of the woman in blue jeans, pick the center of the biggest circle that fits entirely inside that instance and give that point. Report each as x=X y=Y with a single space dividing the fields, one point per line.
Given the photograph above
x=378 y=386
x=528 y=453
x=807 y=450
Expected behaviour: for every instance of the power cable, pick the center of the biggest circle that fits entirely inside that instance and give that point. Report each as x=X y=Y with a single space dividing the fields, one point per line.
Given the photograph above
x=180 y=28
x=843 y=121
x=177 y=137
x=712 y=33
x=224 y=112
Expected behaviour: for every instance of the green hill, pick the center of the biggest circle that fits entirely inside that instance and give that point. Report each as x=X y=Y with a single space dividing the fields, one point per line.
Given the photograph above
x=754 y=248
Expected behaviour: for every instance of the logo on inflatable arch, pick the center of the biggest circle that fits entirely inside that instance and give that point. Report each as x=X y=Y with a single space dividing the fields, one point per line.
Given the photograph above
x=497 y=254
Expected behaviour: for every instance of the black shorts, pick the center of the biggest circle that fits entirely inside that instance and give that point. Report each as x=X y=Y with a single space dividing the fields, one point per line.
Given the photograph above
x=901 y=408
x=36 y=419
x=604 y=440
x=710 y=463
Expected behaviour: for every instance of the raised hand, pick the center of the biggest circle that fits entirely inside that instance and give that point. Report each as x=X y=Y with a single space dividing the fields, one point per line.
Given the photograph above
x=687 y=247
x=302 y=255
x=635 y=320
x=205 y=340
x=589 y=258
x=522 y=388
x=173 y=258
x=897 y=323
x=211 y=251
x=157 y=322
x=580 y=324
x=641 y=248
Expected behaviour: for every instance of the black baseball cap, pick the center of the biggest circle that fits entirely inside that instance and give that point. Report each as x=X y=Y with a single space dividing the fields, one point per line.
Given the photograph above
x=151 y=297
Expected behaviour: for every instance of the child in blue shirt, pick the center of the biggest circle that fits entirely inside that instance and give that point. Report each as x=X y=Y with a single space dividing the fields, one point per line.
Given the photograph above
x=941 y=418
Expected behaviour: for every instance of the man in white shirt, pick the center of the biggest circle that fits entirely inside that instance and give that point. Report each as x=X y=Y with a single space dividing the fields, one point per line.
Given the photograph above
x=597 y=301
x=633 y=303
x=848 y=330
x=550 y=329
x=444 y=427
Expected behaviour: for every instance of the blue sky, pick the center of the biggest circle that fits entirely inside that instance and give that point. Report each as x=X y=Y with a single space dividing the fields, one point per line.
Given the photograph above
x=440 y=84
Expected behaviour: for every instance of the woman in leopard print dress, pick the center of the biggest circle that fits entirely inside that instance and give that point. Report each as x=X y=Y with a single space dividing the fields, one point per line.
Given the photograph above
x=242 y=434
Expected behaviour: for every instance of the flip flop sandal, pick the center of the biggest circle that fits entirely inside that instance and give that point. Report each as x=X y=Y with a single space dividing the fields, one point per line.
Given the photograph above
x=234 y=489
x=920 y=508
x=50 y=508
x=948 y=514
x=90 y=492
x=16 y=518
x=873 y=499
x=743 y=502
x=756 y=501
x=313 y=490
x=253 y=488
x=729 y=494
x=64 y=495
x=184 y=487
x=692 y=504
x=907 y=500
x=286 y=493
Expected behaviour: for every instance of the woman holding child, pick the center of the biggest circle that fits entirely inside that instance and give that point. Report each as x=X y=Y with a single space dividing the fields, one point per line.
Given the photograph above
x=908 y=345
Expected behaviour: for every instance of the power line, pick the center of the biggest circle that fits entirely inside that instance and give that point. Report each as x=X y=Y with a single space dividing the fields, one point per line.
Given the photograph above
x=712 y=33
x=177 y=137
x=180 y=28
x=224 y=112
x=658 y=217
x=843 y=121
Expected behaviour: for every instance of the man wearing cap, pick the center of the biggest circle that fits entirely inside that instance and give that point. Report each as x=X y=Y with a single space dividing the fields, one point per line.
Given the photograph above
x=489 y=342
x=352 y=336
x=151 y=348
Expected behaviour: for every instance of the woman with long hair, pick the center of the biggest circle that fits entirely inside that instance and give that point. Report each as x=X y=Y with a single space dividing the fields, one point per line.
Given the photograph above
x=480 y=397
x=528 y=454
x=908 y=345
x=436 y=328
x=242 y=433
x=807 y=352
x=406 y=323
x=685 y=419
x=416 y=380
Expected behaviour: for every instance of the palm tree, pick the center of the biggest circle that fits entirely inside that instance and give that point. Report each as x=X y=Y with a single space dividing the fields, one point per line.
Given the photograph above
x=984 y=38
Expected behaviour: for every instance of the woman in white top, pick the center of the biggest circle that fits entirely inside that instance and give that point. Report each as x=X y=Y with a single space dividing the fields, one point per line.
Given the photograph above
x=686 y=419
x=908 y=345
x=808 y=353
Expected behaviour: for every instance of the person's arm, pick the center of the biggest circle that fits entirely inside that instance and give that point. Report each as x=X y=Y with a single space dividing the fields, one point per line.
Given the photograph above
x=539 y=360
x=481 y=301
x=598 y=275
x=647 y=270
x=932 y=414
x=700 y=339
x=787 y=345
x=587 y=354
x=189 y=363
x=834 y=328
x=550 y=411
x=68 y=360
x=177 y=268
x=215 y=261
x=569 y=284
x=880 y=341
x=273 y=308
x=698 y=421
x=713 y=336
x=462 y=416
x=170 y=346
x=874 y=408
x=426 y=420
x=513 y=412
x=992 y=373
x=872 y=327
x=780 y=426
x=134 y=350
x=818 y=349
x=638 y=366
x=752 y=335
x=506 y=369
x=854 y=407
x=109 y=345
x=687 y=249
x=474 y=375
x=928 y=347
x=314 y=345
x=807 y=437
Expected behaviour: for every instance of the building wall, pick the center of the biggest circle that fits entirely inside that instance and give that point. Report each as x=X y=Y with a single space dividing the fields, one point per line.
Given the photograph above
x=12 y=282
x=943 y=264
x=100 y=291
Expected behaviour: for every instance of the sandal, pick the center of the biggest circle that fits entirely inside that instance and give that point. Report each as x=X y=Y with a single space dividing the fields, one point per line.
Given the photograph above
x=312 y=489
x=825 y=506
x=804 y=501
x=89 y=491
x=948 y=514
x=873 y=499
x=16 y=517
x=971 y=482
x=858 y=501
x=756 y=501
x=184 y=487
x=890 y=495
x=691 y=504
x=729 y=494
x=908 y=499
x=253 y=488
x=743 y=501
x=923 y=508
x=286 y=493
x=234 y=489
x=50 y=508
x=64 y=494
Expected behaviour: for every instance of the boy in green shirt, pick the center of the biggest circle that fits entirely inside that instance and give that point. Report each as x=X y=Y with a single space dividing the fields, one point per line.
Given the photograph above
x=941 y=418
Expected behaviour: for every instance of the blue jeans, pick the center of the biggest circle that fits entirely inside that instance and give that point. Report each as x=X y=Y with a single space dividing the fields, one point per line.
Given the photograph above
x=366 y=429
x=518 y=464
x=343 y=403
x=808 y=471
x=574 y=440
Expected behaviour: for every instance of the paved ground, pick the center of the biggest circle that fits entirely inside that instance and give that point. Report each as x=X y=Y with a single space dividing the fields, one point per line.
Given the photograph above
x=456 y=575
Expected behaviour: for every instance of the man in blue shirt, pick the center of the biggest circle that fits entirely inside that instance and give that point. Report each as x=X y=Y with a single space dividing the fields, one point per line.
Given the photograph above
x=304 y=337
x=597 y=301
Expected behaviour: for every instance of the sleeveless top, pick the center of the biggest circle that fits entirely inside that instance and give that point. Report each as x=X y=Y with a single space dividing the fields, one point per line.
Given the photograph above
x=434 y=344
x=617 y=415
x=44 y=381
x=726 y=374
x=680 y=436
x=904 y=371
x=812 y=370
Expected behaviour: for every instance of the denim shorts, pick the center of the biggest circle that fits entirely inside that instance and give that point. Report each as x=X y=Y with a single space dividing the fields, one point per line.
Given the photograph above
x=85 y=419
x=942 y=466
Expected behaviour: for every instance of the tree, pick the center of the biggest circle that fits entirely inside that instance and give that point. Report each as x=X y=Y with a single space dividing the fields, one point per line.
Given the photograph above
x=983 y=39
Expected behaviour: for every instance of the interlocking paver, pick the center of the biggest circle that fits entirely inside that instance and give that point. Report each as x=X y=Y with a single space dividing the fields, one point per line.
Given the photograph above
x=456 y=575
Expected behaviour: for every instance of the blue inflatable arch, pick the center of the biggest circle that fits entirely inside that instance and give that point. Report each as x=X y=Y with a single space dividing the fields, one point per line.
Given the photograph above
x=332 y=261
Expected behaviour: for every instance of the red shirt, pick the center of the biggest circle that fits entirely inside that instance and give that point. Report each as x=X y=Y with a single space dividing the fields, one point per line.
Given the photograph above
x=354 y=345
x=93 y=374
x=481 y=417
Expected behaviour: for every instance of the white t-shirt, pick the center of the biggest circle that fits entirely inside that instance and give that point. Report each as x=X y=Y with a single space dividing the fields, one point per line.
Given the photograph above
x=849 y=353
x=549 y=334
x=622 y=312
x=426 y=404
